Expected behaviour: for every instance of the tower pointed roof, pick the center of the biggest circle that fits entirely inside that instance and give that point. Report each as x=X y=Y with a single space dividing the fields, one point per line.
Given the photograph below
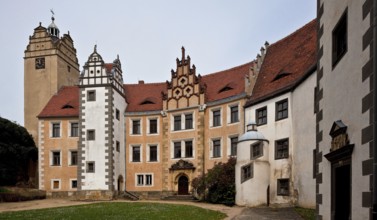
x=52 y=29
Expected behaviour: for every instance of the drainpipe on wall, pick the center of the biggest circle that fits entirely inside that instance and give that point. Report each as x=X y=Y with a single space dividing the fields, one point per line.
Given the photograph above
x=374 y=23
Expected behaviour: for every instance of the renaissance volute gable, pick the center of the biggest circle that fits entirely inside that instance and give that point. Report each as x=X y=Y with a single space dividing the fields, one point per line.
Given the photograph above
x=184 y=89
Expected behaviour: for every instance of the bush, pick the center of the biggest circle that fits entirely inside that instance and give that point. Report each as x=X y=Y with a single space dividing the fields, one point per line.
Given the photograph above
x=218 y=184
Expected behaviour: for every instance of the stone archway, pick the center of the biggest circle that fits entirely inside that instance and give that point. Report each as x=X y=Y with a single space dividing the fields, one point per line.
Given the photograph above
x=183 y=185
x=120 y=183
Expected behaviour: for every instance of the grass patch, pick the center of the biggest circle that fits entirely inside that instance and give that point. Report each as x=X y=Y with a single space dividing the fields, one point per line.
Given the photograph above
x=118 y=210
x=307 y=214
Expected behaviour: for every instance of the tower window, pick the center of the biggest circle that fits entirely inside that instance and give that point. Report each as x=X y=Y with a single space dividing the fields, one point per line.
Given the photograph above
x=69 y=68
x=91 y=95
x=339 y=39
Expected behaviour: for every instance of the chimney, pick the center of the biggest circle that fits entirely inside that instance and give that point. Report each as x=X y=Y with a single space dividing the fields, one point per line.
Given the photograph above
x=141 y=81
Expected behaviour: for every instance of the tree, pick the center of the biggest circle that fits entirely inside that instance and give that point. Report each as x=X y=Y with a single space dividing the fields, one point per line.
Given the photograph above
x=17 y=149
x=218 y=184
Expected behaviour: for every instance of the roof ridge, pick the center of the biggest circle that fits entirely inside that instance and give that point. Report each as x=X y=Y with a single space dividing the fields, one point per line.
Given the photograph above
x=294 y=32
x=232 y=68
x=136 y=84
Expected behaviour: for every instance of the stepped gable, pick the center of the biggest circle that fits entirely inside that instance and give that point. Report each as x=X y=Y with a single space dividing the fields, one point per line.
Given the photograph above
x=63 y=104
x=144 y=97
x=226 y=83
x=287 y=62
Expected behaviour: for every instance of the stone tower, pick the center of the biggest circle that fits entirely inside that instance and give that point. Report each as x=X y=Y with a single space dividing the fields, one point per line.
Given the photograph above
x=50 y=62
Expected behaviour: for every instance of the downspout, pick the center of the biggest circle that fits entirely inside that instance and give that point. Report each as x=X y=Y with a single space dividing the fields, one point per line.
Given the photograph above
x=374 y=23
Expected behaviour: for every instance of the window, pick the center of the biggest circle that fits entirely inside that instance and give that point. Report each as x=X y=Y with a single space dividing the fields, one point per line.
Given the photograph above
x=256 y=150
x=148 y=180
x=216 y=118
x=216 y=148
x=177 y=150
x=73 y=184
x=188 y=148
x=136 y=127
x=135 y=153
x=188 y=121
x=91 y=95
x=233 y=146
x=117 y=114
x=140 y=180
x=91 y=135
x=69 y=68
x=261 y=115
x=73 y=158
x=74 y=129
x=90 y=167
x=118 y=146
x=281 y=149
x=247 y=172
x=283 y=187
x=153 y=126
x=282 y=109
x=55 y=129
x=55 y=158
x=55 y=184
x=177 y=122
x=153 y=153
x=234 y=114
x=339 y=39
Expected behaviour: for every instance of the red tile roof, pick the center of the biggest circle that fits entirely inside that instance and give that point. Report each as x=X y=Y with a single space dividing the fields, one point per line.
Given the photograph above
x=226 y=83
x=286 y=63
x=63 y=104
x=144 y=97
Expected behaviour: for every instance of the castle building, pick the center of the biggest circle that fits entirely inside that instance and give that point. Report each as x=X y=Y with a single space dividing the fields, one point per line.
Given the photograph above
x=275 y=155
x=345 y=106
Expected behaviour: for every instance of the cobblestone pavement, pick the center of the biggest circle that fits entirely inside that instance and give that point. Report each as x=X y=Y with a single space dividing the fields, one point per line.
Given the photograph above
x=267 y=213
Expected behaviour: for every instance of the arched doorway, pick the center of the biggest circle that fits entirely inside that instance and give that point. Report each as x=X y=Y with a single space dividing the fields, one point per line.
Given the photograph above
x=120 y=183
x=183 y=185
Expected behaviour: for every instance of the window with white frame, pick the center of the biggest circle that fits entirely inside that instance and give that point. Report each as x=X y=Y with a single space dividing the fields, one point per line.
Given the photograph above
x=136 y=153
x=177 y=149
x=74 y=129
x=55 y=184
x=143 y=179
x=216 y=148
x=55 y=131
x=73 y=184
x=234 y=114
x=177 y=122
x=183 y=149
x=136 y=126
x=233 y=146
x=153 y=153
x=182 y=121
x=153 y=126
x=55 y=158
x=216 y=118
x=188 y=121
x=73 y=157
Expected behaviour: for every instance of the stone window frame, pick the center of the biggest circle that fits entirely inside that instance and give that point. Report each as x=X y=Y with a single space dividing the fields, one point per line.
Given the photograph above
x=150 y=126
x=132 y=147
x=183 y=149
x=149 y=153
x=141 y=179
x=216 y=120
x=133 y=129
x=52 y=158
x=59 y=184
x=71 y=130
x=70 y=157
x=71 y=183
x=212 y=153
x=339 y=39
x=231 y=119
x=53 y=132
x=185 y=123
x=230 y=144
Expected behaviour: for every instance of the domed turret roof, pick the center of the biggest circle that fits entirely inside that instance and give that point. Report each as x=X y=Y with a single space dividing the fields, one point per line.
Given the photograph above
x=252 y=133
x=53 y=30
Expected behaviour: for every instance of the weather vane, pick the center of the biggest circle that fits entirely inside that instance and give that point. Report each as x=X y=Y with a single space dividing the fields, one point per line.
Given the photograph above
x=52 y=12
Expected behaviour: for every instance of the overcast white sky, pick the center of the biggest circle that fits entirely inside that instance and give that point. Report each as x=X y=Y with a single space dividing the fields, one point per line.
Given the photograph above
x=147 y=35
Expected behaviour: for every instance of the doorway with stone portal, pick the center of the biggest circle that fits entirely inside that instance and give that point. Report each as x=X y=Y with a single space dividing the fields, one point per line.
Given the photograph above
x=183 y=185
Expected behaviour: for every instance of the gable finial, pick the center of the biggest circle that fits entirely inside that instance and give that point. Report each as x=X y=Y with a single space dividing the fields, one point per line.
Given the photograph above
x=95 y=48
x=183 y=53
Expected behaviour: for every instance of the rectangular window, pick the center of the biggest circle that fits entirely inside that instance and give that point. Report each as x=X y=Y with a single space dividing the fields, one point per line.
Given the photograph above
x=56 y=158
x=247 y=172
x=136 y=127
x=90 y=167
x=261 y=116
x=135 y=153
x=73 y=184
x=118 y=146
x=91 y=96
x=216 y=118
x=91 y=135
x=188 y=149
x=188 y=121
x=153 y=126
x=148 y=180
x=153 y=153
x=281 y=149
x=216 y=148
x=140 y=180
x=55 y=184
x=73 y=158
x=234 y=114
x=339 y=39
x=55 y=129
x=177 y=122
x=117 y=114
x=283 y=187
x=74 y=129
x=177 y=150
x=282 y=109
x=256 y=150
x=233 y=146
